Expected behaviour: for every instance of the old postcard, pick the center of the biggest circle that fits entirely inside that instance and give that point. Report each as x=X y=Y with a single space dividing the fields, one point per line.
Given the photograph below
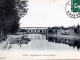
x=39 y=29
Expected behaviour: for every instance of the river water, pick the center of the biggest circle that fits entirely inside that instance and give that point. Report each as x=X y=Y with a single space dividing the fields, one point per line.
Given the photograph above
x=39 y=42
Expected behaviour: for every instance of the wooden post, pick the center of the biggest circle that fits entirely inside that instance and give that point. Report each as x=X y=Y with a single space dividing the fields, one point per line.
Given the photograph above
x=8 y=46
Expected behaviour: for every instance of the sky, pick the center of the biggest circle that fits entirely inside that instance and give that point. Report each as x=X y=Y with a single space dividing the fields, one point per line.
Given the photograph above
x=47 y=13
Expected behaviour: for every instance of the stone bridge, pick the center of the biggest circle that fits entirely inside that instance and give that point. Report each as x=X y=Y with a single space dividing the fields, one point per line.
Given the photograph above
x=35 y=30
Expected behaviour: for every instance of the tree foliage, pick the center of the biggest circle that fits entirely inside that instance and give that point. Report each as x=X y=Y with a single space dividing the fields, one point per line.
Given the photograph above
x=11 y=12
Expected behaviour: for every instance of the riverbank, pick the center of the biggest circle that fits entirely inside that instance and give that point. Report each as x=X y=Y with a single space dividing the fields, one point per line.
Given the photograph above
x=75 y=37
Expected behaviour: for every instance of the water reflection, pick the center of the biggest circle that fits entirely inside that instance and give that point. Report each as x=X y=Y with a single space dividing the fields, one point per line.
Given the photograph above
x=71 y=42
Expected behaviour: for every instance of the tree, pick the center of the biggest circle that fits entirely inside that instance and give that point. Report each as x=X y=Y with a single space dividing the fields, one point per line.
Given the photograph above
x=11 y=12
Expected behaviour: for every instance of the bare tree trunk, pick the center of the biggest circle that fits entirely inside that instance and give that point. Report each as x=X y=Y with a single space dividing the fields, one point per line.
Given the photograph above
x=3 y=35
x=0 y=34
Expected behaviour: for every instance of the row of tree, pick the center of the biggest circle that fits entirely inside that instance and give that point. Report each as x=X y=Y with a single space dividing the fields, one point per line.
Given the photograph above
x=11 y=12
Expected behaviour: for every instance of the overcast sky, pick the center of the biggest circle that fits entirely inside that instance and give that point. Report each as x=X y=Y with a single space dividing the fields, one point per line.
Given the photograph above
x=47 y=13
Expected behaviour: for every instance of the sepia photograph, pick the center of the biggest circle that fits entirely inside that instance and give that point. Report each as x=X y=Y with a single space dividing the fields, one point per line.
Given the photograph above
x=39 y=29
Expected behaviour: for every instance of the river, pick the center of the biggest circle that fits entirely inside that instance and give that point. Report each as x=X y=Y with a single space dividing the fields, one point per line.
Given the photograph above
x=40 y=43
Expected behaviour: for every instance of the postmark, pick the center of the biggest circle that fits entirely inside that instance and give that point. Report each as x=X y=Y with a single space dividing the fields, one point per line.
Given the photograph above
x=72 y=8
